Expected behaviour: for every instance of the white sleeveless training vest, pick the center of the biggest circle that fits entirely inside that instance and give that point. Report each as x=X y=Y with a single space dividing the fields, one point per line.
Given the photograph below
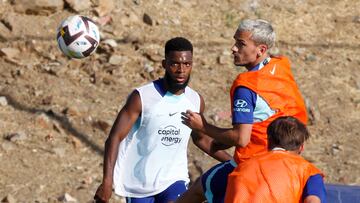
x=154 y=154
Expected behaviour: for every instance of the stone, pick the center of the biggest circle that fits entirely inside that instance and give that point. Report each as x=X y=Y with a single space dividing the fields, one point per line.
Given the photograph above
x=110 y=42
x=10 y=52
x=31 y=26
x=41 y=7
x=115 y=59
x=71 y=111
x=5 y=32
x=8 y=146
x=59 y=151
x=18 y=136
x=310 y=57
x=222 y=59
x=43 y=121
x=105 y=7
x=3 y=101
x=66 y=198
x=8 y=199
x=79 y=5
x=147 y=19
x=102 y=125
x=148 y=67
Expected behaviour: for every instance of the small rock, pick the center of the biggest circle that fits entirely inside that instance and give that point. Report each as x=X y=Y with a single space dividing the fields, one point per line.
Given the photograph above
x=3 y=101
x=67 y=198
x=137 y=2
x=133 y=37
x=104 y=20
x=110 y=42
x=76 y=142
x=71 y=111
x=310 y=57
x=335 y=149
x=10 y=52
x=102 y=125
x=49 y=138
x=8 y=199
x=38 y=7
x=59 y=151
x=115 y=60
x=79 y=5
x=147 y=19
x=8 y=146
x=5 y=32
x=154 y=57
x=87 y=181
x=16 y=136
x=356 y=19
x=43 y=120
x=47 y=100
x=148 y=68
x=105 y=7
x=58 y=128
x=176 y=21
x=215 y=118
x=185 y=4
x=223 y=59
x=299 y=50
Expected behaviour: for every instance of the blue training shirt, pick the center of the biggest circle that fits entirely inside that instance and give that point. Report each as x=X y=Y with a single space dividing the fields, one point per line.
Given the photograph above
x=315 y=186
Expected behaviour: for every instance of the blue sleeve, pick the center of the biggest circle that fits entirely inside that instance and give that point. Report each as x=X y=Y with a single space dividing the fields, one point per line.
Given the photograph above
x=243 y=106
x=315 y=186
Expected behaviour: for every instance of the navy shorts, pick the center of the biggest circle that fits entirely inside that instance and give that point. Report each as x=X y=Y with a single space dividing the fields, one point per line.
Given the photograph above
x=170 y=194
x=214 y=181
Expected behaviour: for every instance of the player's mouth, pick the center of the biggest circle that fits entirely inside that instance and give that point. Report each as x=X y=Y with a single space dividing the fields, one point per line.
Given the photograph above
x=180 y=79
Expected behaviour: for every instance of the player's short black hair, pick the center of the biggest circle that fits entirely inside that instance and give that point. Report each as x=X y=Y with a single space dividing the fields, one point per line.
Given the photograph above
x=178 y=44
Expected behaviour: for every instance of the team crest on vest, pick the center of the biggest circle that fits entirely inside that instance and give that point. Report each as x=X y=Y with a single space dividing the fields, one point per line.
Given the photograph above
x=170 y=135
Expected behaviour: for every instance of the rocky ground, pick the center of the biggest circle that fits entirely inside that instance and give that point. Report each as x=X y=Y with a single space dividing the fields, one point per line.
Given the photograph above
x=55 y=113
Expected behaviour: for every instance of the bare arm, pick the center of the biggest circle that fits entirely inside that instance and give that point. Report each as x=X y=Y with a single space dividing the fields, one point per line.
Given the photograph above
x=239 y=135
x=208 y=144
x=312 y=199
x=122 y=125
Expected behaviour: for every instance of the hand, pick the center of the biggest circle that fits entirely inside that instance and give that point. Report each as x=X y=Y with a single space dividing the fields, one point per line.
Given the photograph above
x=193 y=120
x=103 y=194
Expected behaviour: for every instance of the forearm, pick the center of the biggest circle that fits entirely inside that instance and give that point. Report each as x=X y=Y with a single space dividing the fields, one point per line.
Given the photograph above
x=218 y=152
x=227 y=136
x=111 y=151
x=211 y=147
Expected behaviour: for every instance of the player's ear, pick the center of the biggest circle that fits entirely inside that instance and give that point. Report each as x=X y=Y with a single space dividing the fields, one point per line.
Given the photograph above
x=163 y=63
x=262 y=48
x=301 y=148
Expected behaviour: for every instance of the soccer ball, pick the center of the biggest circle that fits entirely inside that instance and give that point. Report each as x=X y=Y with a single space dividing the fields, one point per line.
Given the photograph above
x=78 y=36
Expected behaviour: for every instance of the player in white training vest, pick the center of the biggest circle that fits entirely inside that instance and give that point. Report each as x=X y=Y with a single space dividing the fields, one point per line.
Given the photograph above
x=146 y=152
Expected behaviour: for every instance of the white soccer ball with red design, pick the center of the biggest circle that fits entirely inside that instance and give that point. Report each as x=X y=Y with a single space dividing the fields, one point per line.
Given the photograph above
x=78 y=36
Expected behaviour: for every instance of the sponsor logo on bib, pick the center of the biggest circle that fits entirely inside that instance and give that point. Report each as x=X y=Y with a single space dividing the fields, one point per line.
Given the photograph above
x=170 y=135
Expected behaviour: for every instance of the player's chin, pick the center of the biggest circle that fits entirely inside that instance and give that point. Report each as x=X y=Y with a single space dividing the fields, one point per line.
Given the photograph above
x=238 y=63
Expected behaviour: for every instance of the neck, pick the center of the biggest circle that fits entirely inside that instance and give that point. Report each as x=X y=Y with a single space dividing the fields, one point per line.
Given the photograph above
x=176 y=90
x=257 y=61
x=298 y=151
